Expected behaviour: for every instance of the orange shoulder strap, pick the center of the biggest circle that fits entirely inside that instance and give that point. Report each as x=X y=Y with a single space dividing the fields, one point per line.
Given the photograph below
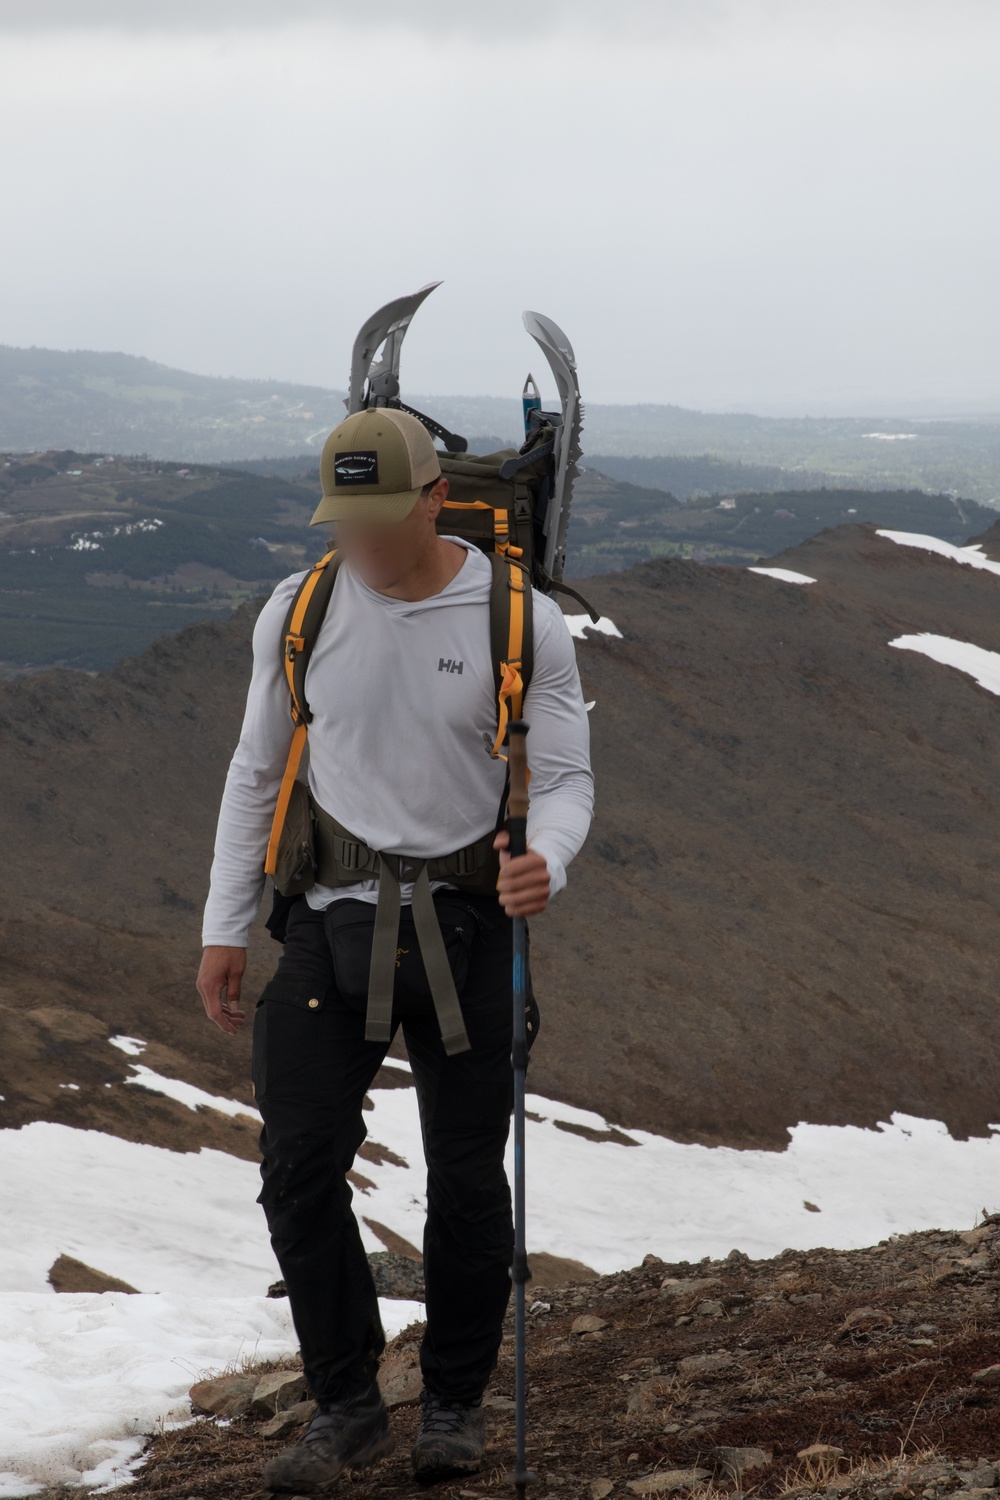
x=511 y=641
x=302 y=623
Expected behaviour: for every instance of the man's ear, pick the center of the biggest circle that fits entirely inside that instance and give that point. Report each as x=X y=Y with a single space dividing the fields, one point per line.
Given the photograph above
x=436 y=497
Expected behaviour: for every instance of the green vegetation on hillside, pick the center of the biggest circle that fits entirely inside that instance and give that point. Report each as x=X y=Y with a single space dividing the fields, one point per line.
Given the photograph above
x=685 y=476
x=615 y=525
x=99 y=558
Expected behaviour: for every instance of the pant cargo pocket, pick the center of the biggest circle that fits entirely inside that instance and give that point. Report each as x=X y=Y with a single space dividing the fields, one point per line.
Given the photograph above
x=285 y=1051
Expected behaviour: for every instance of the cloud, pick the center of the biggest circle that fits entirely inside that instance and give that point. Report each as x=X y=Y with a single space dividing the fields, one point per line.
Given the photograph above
x=722 y=200
x=774 y=37
x=470 y=18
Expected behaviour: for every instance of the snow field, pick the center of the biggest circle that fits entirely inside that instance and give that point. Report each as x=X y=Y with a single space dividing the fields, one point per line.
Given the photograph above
x=97 y=1371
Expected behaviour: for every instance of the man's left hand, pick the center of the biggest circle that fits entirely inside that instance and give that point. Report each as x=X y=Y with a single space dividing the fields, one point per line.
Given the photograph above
x=523 y=887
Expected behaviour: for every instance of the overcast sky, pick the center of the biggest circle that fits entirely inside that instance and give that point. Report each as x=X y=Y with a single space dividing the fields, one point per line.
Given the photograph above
x=767 y=204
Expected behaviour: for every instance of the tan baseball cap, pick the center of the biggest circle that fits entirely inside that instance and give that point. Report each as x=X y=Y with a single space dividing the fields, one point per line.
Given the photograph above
x=374 y=465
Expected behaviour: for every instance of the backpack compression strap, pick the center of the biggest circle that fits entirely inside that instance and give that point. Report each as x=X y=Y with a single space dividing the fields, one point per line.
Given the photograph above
x=501 y=524
x=511 y=641
x=305 y=613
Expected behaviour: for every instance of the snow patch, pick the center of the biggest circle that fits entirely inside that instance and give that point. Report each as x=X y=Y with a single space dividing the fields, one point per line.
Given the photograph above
x=97 y=1372
x=785 y=574
x=86 y=541
x=577 y=624
x=187 y=1093
x=979 y=663
x=133 y=1045
x=175 y=1088
x=973 y=555
x=170 y=1222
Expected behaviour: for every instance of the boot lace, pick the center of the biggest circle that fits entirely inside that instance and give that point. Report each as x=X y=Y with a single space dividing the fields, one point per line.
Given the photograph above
x=332 y=1413
x=441 y=1415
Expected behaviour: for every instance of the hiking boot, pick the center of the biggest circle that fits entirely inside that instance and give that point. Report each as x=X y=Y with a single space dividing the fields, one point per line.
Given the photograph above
x=351 y=1433
x=450 y=1440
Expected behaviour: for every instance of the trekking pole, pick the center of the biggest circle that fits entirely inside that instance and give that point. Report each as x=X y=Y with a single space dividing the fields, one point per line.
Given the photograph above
x=517 y=815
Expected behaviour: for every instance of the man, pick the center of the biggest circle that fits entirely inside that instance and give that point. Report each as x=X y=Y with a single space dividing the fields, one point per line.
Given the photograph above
x=401 y=687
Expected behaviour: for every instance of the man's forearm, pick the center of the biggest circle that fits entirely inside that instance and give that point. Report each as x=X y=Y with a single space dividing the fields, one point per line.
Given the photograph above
x=558 y=825
x=237 y=876
x=236 y=881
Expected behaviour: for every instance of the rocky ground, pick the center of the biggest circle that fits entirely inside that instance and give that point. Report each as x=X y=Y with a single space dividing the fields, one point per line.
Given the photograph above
x=872 y=1373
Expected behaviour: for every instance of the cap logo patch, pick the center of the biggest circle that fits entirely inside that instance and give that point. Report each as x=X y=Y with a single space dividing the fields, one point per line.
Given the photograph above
x=357 y=467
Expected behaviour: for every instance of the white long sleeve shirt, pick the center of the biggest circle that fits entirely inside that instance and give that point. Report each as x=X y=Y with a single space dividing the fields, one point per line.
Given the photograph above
x=404 y=703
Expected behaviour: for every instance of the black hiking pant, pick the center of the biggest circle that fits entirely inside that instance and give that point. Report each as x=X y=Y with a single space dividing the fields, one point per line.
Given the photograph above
x=311 y=1067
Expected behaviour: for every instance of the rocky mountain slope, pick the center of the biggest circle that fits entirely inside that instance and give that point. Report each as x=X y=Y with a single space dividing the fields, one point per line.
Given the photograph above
x=785 y=910
x=869 y=1374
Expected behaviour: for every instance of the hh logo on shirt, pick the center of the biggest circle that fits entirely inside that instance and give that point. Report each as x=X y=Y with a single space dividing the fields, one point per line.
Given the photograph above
x=446 y=664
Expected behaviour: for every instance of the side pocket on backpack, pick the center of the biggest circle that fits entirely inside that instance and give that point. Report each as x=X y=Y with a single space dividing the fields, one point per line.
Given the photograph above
x=295 y=866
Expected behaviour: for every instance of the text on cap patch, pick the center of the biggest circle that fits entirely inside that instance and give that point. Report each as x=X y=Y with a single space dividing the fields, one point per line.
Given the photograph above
x=358 y=467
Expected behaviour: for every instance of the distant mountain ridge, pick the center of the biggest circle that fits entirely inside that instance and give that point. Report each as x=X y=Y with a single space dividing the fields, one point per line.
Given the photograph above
x=126 y=404
x=123 y=403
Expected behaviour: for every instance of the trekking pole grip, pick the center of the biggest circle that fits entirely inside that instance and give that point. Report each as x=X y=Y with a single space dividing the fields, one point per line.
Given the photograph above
x=517 y=797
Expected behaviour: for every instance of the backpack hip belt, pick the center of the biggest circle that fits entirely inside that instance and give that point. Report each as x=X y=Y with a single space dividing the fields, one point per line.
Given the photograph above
x=342 y=858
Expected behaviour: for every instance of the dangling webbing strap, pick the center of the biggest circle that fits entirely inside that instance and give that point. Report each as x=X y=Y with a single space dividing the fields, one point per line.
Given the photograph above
x=381 y=979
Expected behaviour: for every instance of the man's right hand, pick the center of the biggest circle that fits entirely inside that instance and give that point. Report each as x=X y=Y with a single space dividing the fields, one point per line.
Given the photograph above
x=219 y=979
